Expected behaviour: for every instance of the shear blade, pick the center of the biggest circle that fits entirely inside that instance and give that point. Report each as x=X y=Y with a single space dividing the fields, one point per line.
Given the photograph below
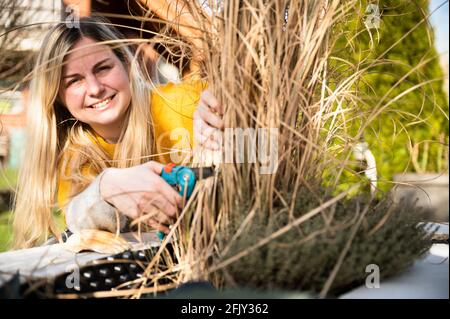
x=202 y=172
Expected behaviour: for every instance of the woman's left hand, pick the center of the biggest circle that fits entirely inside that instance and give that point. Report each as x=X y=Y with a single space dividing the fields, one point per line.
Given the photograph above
x=208 y=121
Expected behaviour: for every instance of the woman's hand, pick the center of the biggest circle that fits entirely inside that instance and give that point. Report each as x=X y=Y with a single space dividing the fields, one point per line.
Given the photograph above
x=140 y=191
x=208 y=121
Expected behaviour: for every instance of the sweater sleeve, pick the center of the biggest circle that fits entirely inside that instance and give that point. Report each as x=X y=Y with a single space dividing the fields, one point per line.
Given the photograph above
x=88 y=210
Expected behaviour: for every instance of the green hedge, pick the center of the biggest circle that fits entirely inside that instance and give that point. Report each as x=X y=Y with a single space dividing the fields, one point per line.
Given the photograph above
x=419 y=119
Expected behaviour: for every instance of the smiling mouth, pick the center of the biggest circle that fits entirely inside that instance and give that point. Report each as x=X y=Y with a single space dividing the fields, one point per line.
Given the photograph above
x=102 y=104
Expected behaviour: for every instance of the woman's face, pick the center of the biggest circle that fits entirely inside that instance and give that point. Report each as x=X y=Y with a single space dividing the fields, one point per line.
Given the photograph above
x=95 y=88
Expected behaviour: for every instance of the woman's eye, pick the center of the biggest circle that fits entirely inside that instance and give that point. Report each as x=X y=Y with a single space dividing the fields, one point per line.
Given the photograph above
x=73 y=81
x=103 y=68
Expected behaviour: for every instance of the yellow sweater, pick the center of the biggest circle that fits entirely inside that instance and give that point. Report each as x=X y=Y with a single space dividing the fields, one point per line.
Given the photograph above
x=172 y=108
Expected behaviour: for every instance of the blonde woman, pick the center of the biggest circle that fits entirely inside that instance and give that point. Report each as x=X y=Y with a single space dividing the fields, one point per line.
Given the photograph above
x=91 y=136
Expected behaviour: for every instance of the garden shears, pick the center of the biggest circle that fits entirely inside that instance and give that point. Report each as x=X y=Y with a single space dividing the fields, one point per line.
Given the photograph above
x=184 y=179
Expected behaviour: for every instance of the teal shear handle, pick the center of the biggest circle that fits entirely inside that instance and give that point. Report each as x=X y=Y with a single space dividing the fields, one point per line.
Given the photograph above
x=181 y=177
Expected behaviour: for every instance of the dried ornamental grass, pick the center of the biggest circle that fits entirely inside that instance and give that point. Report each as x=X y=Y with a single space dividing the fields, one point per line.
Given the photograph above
x=267 y=61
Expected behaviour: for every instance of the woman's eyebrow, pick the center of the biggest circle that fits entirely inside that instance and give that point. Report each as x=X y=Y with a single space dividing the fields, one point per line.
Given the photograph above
x=96 y=65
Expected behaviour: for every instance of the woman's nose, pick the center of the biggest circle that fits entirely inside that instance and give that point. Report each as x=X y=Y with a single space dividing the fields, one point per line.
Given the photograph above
x=94 y=86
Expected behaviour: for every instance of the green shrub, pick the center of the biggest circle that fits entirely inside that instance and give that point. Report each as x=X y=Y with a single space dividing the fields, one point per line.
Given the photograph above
x=409 y=133
x=391 y=237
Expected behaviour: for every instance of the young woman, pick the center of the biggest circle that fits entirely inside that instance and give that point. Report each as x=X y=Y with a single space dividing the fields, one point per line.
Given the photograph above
x=93 y=126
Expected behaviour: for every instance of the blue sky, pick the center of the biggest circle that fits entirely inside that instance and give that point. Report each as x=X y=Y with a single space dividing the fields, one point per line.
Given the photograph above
x=439 y=20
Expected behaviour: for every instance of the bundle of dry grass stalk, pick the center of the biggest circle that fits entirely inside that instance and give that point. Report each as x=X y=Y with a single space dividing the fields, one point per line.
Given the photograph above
x=269 y=223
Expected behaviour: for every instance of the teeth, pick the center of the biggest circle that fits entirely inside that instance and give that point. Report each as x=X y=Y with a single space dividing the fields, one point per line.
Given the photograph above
x=101 y=104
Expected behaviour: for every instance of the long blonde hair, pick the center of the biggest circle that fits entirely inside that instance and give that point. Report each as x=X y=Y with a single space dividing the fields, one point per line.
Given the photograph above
x=52 y=132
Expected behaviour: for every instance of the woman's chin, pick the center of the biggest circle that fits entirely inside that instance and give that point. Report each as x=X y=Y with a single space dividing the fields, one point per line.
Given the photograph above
x=105 y=119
